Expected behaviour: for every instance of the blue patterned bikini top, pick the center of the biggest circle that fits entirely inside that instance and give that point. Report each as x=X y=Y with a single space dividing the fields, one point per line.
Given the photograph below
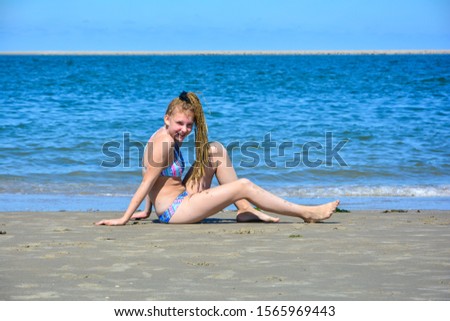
x=177 y=167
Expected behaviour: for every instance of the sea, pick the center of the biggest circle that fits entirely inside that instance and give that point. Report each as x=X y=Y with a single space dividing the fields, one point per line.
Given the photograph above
x=370 y=130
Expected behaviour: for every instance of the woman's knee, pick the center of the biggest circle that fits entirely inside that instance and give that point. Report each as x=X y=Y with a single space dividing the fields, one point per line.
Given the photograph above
x=217 y=149
x=218 y=153
x=245 y=183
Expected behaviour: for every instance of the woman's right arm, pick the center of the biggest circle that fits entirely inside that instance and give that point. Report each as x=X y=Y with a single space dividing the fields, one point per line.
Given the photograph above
x=143 y=189
x=160 y=155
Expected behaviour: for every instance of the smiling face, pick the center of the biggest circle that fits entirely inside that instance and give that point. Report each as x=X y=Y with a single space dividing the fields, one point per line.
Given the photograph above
x=179 y=124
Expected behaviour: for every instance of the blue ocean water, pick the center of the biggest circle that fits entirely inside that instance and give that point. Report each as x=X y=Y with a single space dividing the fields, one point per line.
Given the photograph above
x=372 y=130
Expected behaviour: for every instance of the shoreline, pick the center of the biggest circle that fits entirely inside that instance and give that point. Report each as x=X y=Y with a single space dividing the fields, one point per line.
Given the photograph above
x=361 y=255
x=97 y=203
x=228 y=53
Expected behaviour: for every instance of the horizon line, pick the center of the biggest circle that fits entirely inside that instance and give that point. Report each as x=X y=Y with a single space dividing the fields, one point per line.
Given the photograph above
x=228 y=52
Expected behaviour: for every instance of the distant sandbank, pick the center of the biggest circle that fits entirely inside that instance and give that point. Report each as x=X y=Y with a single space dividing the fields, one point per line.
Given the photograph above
x=230 y=53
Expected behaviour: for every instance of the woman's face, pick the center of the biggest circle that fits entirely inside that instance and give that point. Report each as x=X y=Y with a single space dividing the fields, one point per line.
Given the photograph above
x=179 y=124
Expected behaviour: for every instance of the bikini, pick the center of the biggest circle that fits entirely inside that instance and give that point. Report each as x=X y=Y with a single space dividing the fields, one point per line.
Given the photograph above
x=174 y=170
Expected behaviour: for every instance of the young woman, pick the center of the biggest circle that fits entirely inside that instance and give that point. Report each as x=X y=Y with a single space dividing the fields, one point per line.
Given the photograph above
x=192 y=199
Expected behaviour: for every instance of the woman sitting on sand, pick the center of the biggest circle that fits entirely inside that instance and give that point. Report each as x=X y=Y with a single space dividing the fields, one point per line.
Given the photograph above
x=192 y=199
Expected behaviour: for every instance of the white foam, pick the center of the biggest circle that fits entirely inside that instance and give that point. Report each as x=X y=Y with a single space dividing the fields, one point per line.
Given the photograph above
x=365 y=191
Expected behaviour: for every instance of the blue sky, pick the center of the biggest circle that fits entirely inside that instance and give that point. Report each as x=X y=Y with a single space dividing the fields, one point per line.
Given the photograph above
x=178 y=25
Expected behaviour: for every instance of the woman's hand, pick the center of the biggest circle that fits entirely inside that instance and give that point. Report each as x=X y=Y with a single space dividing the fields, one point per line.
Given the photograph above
x=113 y=222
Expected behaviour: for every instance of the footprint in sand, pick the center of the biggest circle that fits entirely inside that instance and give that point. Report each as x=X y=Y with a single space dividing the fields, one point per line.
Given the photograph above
x=225 y=275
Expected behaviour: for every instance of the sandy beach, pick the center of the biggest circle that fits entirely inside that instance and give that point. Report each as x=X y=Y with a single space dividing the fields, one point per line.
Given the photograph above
x=361 y=255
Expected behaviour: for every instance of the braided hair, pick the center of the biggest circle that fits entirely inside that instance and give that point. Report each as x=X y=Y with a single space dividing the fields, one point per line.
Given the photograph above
x=188 y=101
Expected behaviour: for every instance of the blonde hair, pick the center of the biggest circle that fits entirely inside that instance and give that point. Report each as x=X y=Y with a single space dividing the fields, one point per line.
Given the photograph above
x=188 y=101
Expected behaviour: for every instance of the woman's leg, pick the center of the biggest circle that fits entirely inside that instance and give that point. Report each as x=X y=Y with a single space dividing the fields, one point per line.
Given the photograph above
x=198 y=206
x=221 y=166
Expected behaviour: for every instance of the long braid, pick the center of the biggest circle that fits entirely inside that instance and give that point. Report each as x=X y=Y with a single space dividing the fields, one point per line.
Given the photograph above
x=190 y=102
x=201 y=139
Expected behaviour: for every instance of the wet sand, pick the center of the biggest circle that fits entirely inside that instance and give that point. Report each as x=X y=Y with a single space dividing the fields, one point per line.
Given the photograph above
x=362 y=255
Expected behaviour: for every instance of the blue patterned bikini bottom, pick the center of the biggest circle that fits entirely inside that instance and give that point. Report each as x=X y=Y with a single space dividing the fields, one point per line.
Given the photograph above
x=167 y=215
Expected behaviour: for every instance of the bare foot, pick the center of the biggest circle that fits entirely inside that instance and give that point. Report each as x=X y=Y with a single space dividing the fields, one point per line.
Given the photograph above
x=253 y=215
x=142 y=215
x=321 y=212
